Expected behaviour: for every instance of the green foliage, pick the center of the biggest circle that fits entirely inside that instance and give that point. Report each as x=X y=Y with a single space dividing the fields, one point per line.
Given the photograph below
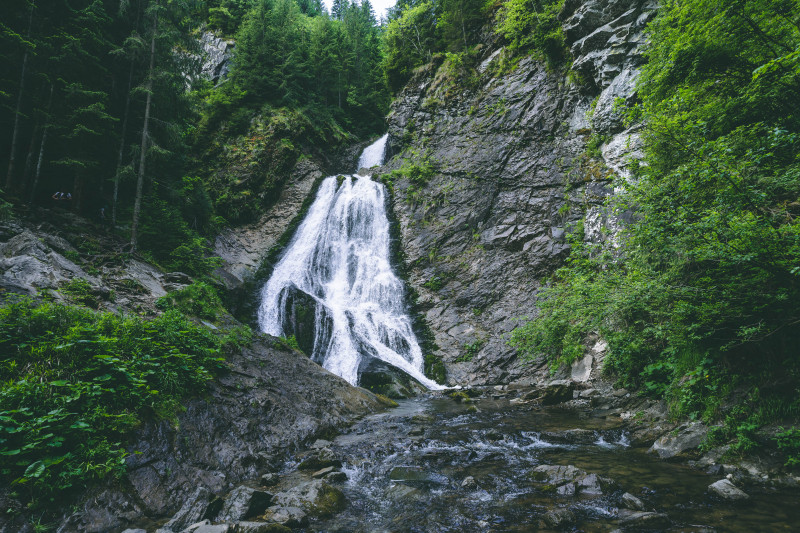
x=701 y=296
x=470 y=351
x=198 y=299
x=533 y=25
x=77 y=381
x=434 y=368
x=80 y=291
x=788 y=441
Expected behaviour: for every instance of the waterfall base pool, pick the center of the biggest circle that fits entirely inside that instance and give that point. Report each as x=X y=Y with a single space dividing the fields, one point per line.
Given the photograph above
x=435 y=465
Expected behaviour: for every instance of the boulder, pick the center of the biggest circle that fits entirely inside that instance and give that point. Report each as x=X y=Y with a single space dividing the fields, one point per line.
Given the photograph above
x=642 y=519
x=559 y=518
x=316 y=497
x=726 y=490
x=320 y=459
x=685 y=438
x=194 y=509
x=336 y=477
x=244 y=502
x=629 y=501
x=557 y=392
x=290 y=517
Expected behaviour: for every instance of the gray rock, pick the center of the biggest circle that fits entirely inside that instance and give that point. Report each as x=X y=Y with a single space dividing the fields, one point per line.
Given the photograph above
x=629 y=501
x=323 y=472
x=557 y=393
x=336 y=477
x=129 y=530
x=489 y=224
x=270 y=480
x=244 y=502
x=292 y=517
x=241 y=427
x=642 y=519
x=685 y=438
x=559 y=518
x=319 y=459
x=316 y=497
x=209 y=528
x=581 y=369
x=259 y=527
x=469 y=483
x=726 y=490
x=217 y=56
x=193 y=510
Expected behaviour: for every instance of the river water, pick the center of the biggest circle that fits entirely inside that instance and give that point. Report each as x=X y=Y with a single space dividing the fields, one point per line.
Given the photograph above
x=409 y=470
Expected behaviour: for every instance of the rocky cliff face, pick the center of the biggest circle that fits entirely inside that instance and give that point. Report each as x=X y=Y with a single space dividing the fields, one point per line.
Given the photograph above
x=514 y=170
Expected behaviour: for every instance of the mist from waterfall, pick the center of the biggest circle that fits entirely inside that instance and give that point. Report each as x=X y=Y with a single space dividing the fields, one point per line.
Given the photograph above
x=339 y=262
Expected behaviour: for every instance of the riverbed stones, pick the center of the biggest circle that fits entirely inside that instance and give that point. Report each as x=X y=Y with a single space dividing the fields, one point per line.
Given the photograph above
x=629 y=501
x=259 y=527
x=319 y=459
x=642 y=519
x=469 y=483
x=559 y=518
x=315 y=497
x=726 y=490
x=336 y=477
x=683 y=439
x=571 y=481
x=290 y=517
x=322 y=472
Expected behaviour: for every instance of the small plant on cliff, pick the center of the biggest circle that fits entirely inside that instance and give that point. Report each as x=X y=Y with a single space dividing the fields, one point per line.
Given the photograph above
x=198 y=299
x=533 y=26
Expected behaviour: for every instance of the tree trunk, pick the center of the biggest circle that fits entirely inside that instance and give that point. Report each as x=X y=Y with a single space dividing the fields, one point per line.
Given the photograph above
x=18 y=112
x=121 y=148
x=41 y=147
x=26 y=173
x=137 y=205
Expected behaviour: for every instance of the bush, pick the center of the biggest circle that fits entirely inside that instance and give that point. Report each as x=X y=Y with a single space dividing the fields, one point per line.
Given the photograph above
x=198 y=299
x=76 y=382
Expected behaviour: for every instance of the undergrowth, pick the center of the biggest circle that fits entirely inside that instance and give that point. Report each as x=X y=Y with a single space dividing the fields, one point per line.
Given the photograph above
x=76 y=382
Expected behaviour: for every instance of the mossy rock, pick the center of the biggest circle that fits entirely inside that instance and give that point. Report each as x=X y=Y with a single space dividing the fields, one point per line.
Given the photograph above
x=386 y=401
x=460 y=397
x=329 y=502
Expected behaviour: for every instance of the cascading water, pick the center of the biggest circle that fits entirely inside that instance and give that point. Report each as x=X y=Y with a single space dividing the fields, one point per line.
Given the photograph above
x=337 y=267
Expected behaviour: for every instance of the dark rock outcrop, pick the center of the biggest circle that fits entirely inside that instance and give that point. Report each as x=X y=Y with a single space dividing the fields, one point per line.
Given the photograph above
x=272 y=400
x=512 y=174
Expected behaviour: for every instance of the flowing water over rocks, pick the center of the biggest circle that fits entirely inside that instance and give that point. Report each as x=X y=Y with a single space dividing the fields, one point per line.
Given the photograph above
x=334 y=289
x=494 y=464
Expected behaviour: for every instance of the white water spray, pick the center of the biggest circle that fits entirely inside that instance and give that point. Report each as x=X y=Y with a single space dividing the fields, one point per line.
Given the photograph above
x=338 y=261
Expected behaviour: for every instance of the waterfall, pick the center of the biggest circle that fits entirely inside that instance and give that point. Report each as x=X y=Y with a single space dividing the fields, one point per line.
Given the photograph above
x=334 y=288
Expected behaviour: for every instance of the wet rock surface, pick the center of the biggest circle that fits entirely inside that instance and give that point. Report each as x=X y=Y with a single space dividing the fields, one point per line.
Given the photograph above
x=272 y=399
x=493 y=465
x=512 y=175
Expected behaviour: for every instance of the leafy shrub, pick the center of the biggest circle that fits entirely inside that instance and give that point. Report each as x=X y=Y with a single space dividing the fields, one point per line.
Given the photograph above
x=77 y=381
x=788 y=440
x=700 y=298
x=80 y=291
x=533 y=25
x=198 y=299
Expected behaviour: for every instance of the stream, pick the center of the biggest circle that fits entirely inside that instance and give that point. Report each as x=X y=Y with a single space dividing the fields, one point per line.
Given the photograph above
x=432 y=464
